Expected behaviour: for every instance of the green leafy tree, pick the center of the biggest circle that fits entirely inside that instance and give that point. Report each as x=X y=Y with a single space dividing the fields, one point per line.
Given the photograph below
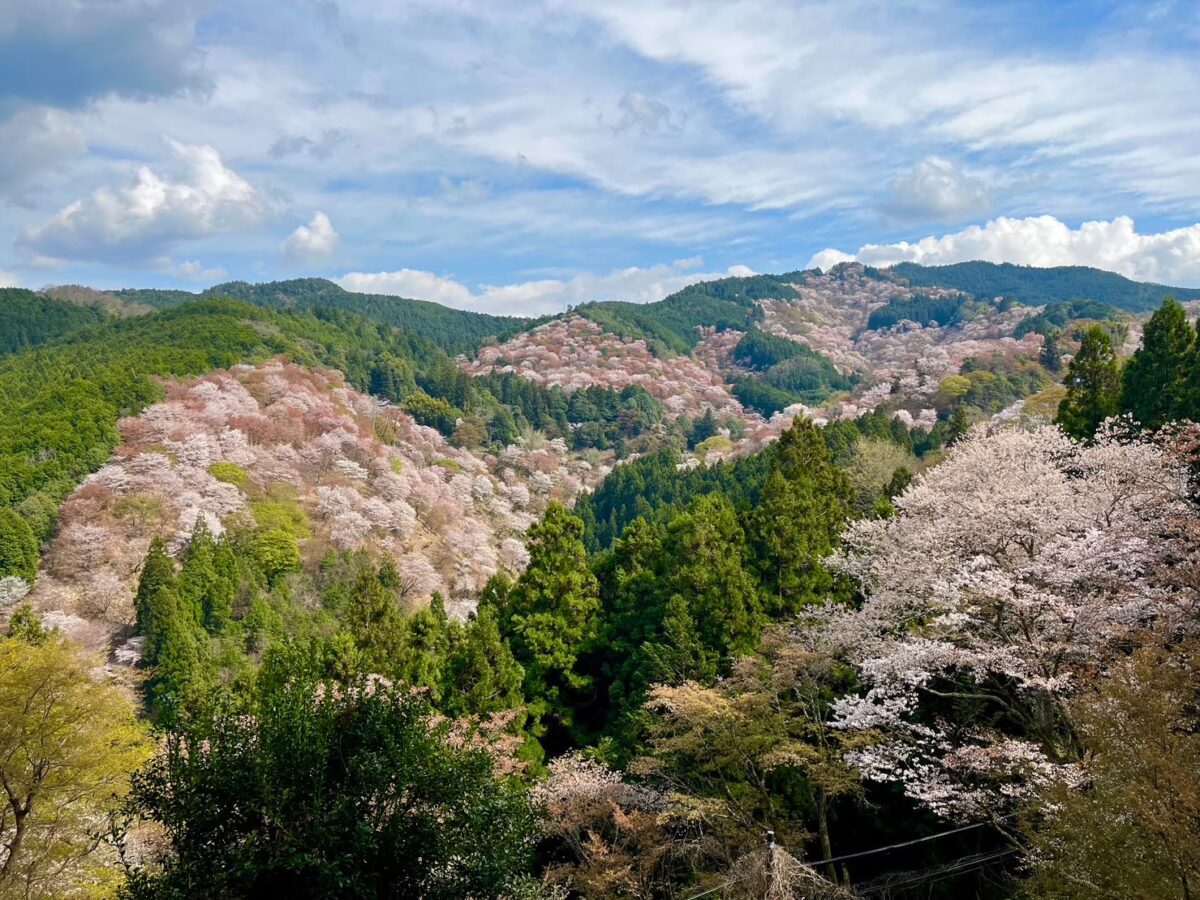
x=1093 y=385
x=67 y=747
x=1156 y=383
x=550 y=615
x=320 y=789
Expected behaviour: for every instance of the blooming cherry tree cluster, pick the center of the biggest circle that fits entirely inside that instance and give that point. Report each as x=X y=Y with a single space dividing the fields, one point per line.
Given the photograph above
x=1011 y=572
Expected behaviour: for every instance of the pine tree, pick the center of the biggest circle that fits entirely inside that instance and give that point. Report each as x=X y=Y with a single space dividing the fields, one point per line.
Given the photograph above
x=1093 y=385
x=550 y=615
x=220 y=596
x=680 y=655
x=1155 y=383
x=198 y=573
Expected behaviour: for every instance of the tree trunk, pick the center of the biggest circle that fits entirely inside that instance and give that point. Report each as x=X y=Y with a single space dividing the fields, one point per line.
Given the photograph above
x=823 y=832
x=14 y=846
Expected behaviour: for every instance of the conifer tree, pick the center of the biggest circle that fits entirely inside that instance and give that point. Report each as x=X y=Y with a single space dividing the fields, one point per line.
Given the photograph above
x=708 y=549
x=481 y=675
x=155 y=601
x=1155 y=382
x=18 y=546
x=550 y=615
x=805 y=501
x=1093 y=385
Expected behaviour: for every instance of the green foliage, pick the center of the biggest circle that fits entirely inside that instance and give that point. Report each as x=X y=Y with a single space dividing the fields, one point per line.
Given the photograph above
x=1037 y=286
x=319 y=789
x=922 y=309
x=230 y=473
x=433 y=412
x=18 y=546
x=803 y=506
x=284 y=515
x=549 y=616
x=28 y=319
x=1056 y=316
x=1093 y=385
x=1159 y=384
x=671 y=326
x=275 y=551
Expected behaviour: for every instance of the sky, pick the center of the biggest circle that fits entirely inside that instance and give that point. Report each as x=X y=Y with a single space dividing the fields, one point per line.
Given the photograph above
x=517 y=157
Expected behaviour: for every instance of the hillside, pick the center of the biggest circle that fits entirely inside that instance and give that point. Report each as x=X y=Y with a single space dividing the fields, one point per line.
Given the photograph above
x=258 y=445
x=1035 y=286
x=454 y=330
x=28 y=319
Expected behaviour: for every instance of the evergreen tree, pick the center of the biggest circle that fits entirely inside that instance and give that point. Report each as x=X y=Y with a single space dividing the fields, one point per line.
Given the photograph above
x=198 y=573
x=1093 y=385
x=481 y=675
x=220 y=596
x=1051 y=354
x=550 y=615
x=706 y=564
x=428 y=636
x=372 y=616
x=155 y=601
x=1155 y=383
x=18 y=546
x=680 y=655
x=804 y=503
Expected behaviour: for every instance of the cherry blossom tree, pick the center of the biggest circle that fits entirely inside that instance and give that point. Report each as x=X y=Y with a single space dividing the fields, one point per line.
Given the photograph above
x=1011 y=571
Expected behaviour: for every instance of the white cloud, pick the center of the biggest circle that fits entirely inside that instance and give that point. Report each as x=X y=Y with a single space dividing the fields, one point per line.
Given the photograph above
x=548 y=295
x=142 y=221
x=194 y=270
x=1169 y=257
x=936 y=188
x=32 y=140
x=8 y=279
x=310 y=244
x=411 y=283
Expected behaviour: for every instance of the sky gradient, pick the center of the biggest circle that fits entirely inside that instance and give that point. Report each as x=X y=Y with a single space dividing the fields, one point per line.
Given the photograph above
x=517 y=157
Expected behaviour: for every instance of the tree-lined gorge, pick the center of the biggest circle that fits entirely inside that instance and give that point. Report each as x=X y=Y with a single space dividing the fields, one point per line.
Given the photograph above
x=893 y=592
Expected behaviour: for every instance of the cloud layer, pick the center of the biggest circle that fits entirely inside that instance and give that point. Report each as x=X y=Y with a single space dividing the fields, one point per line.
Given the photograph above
x=141 y=222
x=548 y=295
x=1169 y=257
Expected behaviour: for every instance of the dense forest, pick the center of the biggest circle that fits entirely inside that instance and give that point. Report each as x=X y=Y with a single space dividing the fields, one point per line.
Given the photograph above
x=872 y=658
x=1035 y=286
x=454 y=330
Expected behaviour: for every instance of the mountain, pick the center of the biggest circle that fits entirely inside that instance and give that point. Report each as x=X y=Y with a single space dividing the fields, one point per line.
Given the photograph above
x=454 y=330
x=1034 y=285
x=28 y=319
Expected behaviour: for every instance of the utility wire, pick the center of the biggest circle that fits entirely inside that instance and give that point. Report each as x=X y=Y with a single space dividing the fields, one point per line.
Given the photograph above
x=920 y=840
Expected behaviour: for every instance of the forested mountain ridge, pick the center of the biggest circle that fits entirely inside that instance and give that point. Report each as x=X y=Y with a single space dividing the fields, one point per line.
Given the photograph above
x=1038 y=285
x=619 y=609
x=454 y=330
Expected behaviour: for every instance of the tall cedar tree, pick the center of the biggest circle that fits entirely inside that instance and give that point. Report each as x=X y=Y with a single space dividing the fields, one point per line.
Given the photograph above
x=1093 y=386
x=804 y=504
x=1156 y=382
x=550 y=616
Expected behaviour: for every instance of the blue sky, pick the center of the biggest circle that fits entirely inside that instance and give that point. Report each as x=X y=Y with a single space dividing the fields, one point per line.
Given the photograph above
x=519 y=156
